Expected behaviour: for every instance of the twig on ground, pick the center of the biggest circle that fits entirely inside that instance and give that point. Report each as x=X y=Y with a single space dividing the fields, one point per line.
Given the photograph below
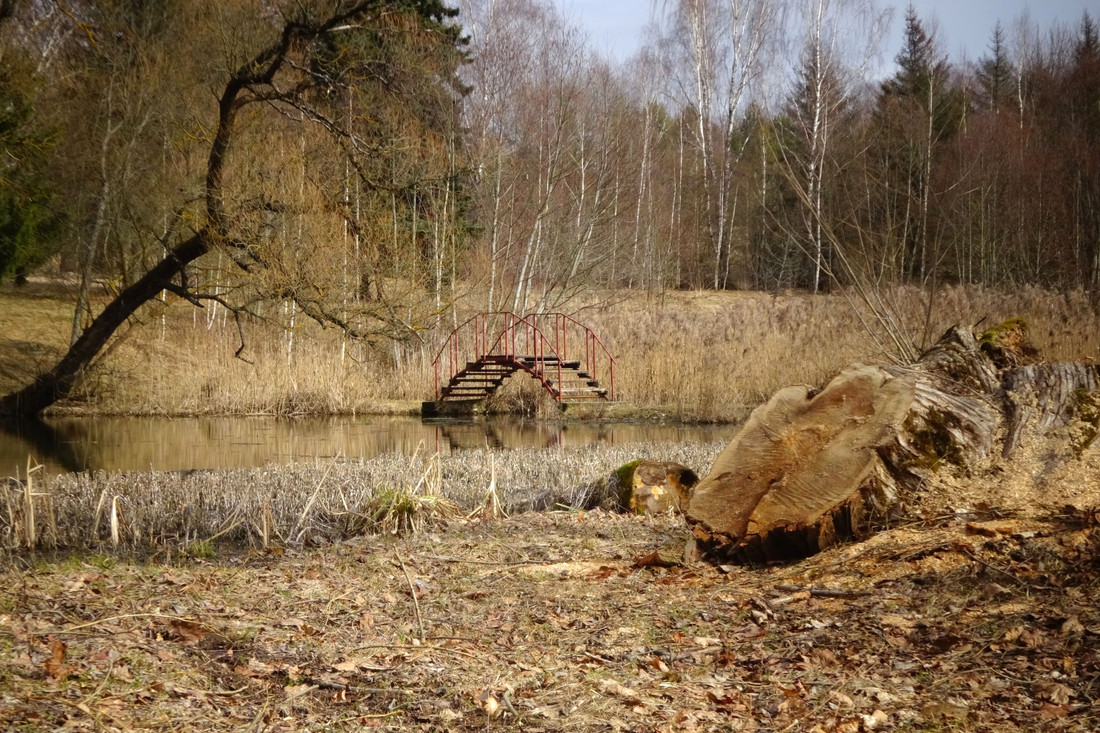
x=97 y=622
x=823 y=592
x=1002 y=571
x=442 y=558
x=412 y=592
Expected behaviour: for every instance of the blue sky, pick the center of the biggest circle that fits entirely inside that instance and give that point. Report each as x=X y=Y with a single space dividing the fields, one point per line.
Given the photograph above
x=964 y=26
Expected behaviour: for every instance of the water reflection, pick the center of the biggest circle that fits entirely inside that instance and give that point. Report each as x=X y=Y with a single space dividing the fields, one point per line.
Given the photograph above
x=175 y=444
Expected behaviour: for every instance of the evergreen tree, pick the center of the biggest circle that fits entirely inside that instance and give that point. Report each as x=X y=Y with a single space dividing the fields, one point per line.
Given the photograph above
x=1084 y=80
x=995 y=73
x=920 y=65
x=27 y=221
x=917 y=112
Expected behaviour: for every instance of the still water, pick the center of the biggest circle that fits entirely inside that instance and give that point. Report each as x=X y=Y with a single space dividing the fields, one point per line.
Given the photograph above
x=176 y=444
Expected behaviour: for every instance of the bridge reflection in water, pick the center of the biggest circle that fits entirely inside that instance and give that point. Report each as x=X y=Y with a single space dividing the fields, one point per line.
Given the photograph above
x=177 y=444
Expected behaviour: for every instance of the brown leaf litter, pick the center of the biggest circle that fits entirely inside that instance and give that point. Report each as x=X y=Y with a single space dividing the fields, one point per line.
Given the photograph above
x=971 y=621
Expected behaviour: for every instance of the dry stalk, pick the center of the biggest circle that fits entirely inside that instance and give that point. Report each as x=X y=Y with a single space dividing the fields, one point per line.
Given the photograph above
x=30 y=527
x=28 y=511
x=114 y=521
x=313 y=497
x=230 y=524
x=412 y=592
x=99 y=512
x=51 y=519
x=11 y=510
x=435 y=471
x=490 y=508
x=265 y=524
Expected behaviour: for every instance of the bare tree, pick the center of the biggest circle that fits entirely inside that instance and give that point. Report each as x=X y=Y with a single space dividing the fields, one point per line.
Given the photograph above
x=839 y=42
x=295 y=80
x=724 y=44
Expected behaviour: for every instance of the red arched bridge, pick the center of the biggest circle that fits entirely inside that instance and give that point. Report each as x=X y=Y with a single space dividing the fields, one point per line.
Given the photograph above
x=565 y=355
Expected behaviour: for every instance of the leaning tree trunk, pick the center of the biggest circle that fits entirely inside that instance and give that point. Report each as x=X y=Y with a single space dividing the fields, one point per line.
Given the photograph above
x=252 y=83
x=811 y=468
x=49 y=387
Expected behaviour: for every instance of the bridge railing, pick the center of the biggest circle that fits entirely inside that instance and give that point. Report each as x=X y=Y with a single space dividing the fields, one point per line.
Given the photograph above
x=509 y=336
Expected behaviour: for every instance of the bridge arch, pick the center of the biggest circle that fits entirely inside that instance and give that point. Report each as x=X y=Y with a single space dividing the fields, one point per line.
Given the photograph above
x=563 y=354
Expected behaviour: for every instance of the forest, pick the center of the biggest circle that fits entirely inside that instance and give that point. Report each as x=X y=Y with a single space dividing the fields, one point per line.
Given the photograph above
x=386 y=167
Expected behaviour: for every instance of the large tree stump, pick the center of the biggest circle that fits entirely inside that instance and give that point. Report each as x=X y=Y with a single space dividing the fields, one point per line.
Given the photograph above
x=811 y=468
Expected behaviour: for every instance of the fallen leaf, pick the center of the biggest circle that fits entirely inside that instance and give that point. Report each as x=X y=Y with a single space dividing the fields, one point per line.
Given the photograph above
x=843 y=700
x=665 y=557
x=1072 y=626
x=189 y=631
x=618 y=689
x=988 y=529
x=943 y=710
x=875 y=720
x=1056 y=692
x=103 y=655
x=488 y=703
x=1053 y=712
x=895 y=621
x=293 y=691
x=55 y=665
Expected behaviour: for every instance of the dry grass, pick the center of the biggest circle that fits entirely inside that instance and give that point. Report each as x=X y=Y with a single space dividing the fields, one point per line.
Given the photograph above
x=715 y=356
x=682 y=355
x=166 y=512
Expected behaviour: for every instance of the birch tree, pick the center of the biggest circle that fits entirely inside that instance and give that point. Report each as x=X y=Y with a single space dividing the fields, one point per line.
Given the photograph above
x=721 y=54
x=839 y=42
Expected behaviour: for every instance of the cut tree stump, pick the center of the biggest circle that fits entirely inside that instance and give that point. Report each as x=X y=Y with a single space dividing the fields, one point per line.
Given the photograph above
x=811 y=467
x=652 y=487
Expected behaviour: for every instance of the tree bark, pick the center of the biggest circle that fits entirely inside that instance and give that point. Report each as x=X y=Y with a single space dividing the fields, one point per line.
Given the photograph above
x=811 y=468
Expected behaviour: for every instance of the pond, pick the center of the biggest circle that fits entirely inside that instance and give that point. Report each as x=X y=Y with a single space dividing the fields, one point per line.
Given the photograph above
x=180 y=444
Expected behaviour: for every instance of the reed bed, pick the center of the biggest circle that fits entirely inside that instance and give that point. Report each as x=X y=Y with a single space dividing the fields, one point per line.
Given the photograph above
x=715 y=356
x=191 y=512
x=697 y=356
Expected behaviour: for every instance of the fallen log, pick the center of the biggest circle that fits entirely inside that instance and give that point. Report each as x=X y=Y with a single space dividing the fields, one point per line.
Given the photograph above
x=811 y=468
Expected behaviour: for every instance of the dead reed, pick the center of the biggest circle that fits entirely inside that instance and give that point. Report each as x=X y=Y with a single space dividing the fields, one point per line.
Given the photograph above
x=300 y=504
x=707 y=356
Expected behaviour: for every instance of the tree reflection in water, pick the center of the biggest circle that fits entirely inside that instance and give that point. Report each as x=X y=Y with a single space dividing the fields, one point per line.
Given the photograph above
x=180 y=444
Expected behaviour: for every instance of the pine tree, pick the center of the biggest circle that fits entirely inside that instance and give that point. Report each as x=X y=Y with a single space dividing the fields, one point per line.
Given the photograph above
x=995 y=73
x=27 y=220
x=919 y=64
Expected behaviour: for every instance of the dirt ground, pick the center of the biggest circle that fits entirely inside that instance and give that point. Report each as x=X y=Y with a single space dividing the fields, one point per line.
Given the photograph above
x=976 y=621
